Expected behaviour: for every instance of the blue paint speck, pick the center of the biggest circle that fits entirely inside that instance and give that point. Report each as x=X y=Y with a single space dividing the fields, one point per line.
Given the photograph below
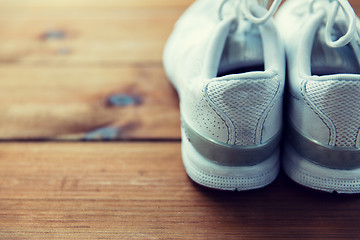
x=54 y=34
x=105 y=133
x=122 y=100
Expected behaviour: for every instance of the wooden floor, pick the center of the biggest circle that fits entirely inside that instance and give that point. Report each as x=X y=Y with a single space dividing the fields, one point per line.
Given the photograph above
x=90 y=139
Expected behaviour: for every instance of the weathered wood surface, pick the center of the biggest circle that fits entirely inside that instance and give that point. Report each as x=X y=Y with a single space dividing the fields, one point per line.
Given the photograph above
x=86 y=32
x=140 y=191
x=86 y=70
x=107 y=103
x=90 y=69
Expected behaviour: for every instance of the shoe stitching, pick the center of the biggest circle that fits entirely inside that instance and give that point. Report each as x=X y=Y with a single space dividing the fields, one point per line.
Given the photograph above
x=207 y=98
x=217 y=108
x=317 y=111
x=270 y=107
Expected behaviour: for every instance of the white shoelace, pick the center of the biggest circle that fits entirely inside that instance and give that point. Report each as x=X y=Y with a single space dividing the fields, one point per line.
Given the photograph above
x=244 y=8
x=353 y=29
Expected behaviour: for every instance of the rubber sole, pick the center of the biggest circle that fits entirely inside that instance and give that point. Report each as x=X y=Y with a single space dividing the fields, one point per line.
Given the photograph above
x=212 y=175
x=314 y=176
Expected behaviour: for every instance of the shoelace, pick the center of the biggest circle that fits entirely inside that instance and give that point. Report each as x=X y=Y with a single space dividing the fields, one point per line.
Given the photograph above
x=353 y=29
x=244 y=8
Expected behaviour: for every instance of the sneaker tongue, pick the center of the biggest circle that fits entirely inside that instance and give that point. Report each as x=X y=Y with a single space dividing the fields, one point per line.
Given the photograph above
x=326 y=60
x=242 y=48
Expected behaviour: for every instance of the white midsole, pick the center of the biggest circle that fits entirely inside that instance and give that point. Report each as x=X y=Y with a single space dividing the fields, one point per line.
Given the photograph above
x=318 y=177
x=210 y=174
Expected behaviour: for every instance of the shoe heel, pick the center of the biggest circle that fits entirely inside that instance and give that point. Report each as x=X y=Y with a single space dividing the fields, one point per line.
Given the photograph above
x=325 y=168
x=210 y=174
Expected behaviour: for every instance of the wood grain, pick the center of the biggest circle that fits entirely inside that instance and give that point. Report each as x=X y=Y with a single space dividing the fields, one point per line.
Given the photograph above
x=91 y=70
x=94 y=4
x=62 y=62
x=135 y=102
x=84 y=36
x=140 y=191
x=86 y=32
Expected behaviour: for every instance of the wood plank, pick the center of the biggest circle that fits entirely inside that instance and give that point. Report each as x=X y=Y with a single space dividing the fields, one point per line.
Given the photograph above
x=93 y=3
x=88 y=36
x=134 y=102
x=140 y=191
x=67 y=100
x=85 y=32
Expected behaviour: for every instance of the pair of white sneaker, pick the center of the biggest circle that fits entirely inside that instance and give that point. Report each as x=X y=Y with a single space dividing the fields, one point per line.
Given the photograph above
x=226 y=58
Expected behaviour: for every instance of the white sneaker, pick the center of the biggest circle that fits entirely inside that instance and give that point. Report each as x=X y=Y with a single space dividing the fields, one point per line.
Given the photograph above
x=323 y=138
x=227 y=64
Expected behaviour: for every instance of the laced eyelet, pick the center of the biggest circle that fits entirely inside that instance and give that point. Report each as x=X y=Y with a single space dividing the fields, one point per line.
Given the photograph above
x=221 y=9
x=243 y=10
x=352 y=31
x=246 y=10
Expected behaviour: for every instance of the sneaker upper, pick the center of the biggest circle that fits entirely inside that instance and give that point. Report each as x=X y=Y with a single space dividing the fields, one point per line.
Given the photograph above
x=228 y=71
x=323 y=53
